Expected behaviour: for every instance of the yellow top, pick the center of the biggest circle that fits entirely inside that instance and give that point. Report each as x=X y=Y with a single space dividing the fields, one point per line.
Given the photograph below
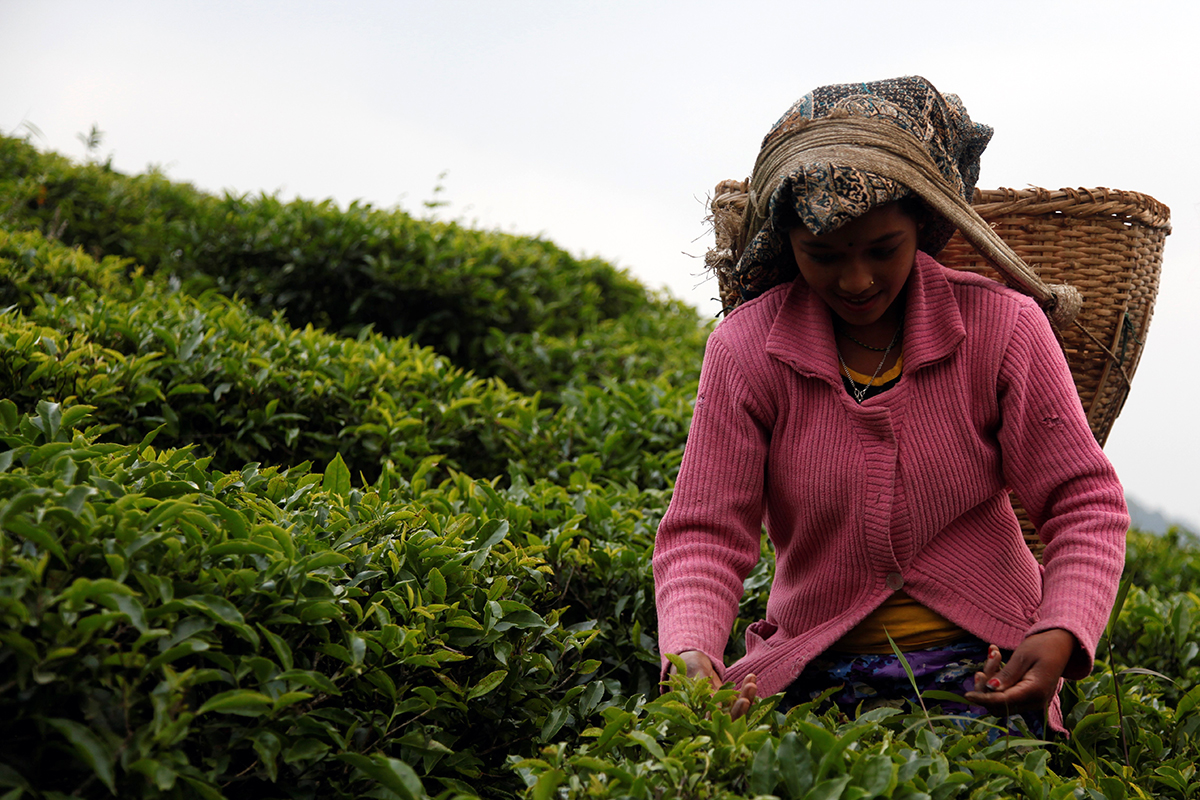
x=881 y=380
x=911 y=625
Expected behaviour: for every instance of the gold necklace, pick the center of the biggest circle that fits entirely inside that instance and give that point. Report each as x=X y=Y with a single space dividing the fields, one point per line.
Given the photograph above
x=860 y=394
x=864 y=344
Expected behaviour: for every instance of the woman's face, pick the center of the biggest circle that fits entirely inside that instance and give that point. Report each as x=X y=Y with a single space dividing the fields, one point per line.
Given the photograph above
x=860 y=269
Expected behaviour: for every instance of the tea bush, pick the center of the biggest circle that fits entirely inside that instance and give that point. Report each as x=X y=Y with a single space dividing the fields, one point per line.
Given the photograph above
x=242 y=387
x=251 y=389
x=268 y=632
x=1160 y=631
x=1170 y=562
x=683 y=745
x=461 y=291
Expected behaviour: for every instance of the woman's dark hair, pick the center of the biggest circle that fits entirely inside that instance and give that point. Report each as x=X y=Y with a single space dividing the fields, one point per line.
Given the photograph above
x=915 y=207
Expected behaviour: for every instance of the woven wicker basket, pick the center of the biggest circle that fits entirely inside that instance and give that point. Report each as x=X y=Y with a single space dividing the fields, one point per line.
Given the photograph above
x=1108 y=244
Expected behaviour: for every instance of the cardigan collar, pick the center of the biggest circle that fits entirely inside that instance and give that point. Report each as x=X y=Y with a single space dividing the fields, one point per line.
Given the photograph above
x=801 y=335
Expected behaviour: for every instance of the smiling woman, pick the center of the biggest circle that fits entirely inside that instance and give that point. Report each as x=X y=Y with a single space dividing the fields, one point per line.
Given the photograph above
x=860 y=271
x=883 y=480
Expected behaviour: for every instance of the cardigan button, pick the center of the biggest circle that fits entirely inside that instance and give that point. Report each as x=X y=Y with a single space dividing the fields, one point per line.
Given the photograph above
x=894 y=581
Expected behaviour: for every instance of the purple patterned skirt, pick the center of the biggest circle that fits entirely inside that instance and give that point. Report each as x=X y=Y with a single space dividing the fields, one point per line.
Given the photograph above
x=873 y=681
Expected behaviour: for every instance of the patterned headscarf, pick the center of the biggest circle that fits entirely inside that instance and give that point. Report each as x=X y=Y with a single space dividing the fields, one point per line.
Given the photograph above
x=825 y=193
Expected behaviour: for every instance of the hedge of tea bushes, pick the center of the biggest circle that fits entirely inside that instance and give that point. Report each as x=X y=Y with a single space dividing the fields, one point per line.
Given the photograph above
x=497 y=304
x=232 y=383
x=204 y=373
x=247 y=388
x=172 y=630
x=179 y=631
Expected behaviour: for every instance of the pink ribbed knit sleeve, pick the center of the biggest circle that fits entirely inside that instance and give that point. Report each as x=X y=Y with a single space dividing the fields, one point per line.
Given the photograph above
x=1067 y=485
x=708 y=541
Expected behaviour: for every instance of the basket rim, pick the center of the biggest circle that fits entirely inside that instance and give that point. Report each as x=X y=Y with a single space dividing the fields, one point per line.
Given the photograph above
x=1073 y=202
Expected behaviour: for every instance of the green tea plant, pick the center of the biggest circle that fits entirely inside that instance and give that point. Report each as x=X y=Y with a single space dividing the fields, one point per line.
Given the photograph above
x=461 y=291
x=684 y=744
x=246 y=388
x=1160 y=632
x=1170 y=563
x=178 y=631
x=251 y=389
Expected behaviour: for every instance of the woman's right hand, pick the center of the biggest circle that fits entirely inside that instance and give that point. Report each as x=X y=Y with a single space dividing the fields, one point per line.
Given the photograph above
x=699 y=666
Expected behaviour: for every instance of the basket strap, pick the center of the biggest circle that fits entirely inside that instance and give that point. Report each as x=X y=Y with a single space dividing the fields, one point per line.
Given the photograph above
x=891 y=152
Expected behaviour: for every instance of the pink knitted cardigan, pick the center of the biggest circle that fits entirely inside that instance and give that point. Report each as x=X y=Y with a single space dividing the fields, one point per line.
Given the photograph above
x=908 y=490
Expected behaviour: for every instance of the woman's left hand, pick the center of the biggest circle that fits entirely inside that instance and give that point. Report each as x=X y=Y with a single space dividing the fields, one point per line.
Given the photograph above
x=1029 y=679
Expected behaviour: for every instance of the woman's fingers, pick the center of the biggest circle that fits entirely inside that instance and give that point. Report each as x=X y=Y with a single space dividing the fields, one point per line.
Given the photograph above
x=1008 y=688
x=740 y=707
x=746 y=697
x=990 y=667
x=1032 y=690
x=699 y=666
x=1030 y=678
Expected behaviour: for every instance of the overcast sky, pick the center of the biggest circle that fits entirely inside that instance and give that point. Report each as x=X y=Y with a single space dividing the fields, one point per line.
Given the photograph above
x=604 y=125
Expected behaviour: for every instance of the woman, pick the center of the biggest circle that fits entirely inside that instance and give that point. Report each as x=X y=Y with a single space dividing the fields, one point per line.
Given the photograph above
x=873 y=409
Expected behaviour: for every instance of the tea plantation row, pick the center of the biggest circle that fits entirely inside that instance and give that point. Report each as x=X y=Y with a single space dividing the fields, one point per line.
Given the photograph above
x=499 y=305
x=244 y=559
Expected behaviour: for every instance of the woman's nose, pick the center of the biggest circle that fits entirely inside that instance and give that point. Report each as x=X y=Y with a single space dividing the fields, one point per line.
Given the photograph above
x=855 y=279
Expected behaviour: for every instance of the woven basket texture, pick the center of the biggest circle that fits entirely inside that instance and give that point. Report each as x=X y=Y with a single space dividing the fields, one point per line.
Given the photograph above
x=1108 y=244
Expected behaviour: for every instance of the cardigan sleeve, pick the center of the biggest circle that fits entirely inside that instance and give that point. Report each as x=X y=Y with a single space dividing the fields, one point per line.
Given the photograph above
x=1066 y=484
x=708 y=541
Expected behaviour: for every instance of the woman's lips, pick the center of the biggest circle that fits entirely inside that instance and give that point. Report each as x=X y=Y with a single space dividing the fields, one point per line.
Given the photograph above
x=859 y=302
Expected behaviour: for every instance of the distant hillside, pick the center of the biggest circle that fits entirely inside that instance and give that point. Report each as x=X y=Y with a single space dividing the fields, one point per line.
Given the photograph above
x=1150 y=521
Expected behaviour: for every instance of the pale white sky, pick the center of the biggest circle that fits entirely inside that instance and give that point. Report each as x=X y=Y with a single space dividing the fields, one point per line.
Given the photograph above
x=603 y=126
